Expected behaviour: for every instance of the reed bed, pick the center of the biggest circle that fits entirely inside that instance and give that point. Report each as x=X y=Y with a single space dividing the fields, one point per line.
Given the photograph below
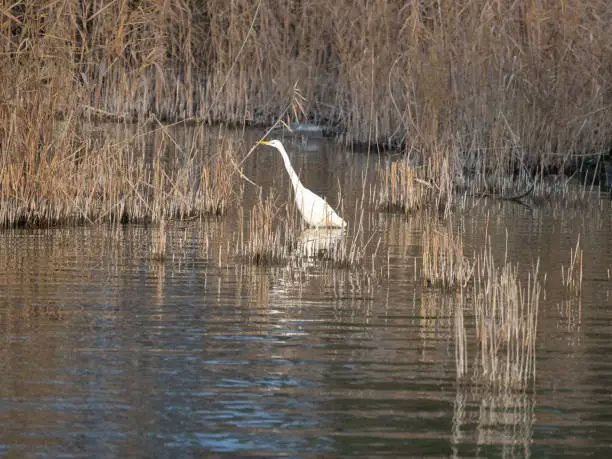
x=444 y=263
x=484 y=96
x=94 y=182
x=419 y=184
x=267 y=241
x=506 y=320
x=518 y=84
x=399 y=189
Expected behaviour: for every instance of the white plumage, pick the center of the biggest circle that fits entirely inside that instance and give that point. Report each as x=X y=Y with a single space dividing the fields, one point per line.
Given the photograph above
x=314 y=209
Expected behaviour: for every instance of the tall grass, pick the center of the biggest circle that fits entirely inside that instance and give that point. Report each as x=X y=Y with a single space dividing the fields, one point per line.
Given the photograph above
x=506 y=320
x=571 y=278
x=484 y=88
x=507 y=80
x=444 y=262
x=104 y=182
x=505 y=310
x=268 y=240
x=506 y=315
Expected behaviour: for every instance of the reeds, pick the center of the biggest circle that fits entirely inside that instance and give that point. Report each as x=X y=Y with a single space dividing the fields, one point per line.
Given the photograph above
x=444 y=263
x=267 y=242
x=571 y=278
x=91 y=181
x=506 y=315
x=480 y=76
x=505 y=312
x=399 y=188
x=275 y=235
x=482 y=89
x=412 y=184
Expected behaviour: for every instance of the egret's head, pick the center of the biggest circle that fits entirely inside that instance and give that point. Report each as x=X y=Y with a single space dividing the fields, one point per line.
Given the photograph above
x=272 y=143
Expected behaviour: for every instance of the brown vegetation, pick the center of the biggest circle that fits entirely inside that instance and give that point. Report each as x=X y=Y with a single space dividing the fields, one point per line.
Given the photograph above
x=571 y=277
x=277 y=235
x=502 y=79
x=505 y=312
x=485 y=89
x=506 y=315
x=87 y=182
x=444 y=263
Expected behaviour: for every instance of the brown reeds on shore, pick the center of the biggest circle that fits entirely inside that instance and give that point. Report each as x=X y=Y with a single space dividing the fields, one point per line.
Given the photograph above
x=511 y=81
x=483 y=89
x=112 y=184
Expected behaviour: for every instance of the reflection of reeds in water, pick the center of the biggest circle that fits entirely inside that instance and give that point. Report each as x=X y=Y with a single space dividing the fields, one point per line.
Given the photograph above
x=158 y=244
x=571 y=277
x=460 y=339
x=320 y=243
x=29 y=313
x=570 y=314
x=504 y=419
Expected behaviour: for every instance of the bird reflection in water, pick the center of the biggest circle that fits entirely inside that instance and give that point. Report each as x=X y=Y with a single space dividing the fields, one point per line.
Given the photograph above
x=319 y=243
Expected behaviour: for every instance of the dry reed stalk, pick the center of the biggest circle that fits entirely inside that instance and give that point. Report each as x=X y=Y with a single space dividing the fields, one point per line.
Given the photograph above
x=506 y=317
x=444 y=264
x=572 y=277
x=266 y=243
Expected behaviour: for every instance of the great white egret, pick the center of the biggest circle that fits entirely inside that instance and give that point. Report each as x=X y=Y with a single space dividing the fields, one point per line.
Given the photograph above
x=314 y=209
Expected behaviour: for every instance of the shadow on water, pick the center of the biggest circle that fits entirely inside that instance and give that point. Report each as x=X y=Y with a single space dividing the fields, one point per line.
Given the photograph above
x=105 y=351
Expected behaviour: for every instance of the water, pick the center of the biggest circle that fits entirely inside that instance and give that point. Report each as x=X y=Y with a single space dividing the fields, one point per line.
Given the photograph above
x=107 y=353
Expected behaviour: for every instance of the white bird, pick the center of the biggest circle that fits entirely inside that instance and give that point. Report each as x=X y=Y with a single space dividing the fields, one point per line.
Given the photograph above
x=314 y=209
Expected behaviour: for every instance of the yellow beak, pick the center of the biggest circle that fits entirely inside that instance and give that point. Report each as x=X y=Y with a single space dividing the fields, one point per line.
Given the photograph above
x=263 y=142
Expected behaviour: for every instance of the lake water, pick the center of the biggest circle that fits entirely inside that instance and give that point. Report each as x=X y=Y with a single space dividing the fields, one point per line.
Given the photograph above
x=105 y=352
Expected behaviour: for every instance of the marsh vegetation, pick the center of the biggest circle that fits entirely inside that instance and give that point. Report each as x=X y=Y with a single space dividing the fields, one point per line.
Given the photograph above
x=455 y=105
x=487 y=96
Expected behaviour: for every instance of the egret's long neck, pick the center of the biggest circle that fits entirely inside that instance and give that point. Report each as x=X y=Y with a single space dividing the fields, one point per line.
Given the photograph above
x=295 y=181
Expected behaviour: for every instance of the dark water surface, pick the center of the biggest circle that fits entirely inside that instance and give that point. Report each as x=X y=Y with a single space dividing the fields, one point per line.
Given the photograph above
x=107 y=353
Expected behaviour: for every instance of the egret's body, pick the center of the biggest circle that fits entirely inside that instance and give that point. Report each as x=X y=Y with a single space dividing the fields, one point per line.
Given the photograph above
x=314 y=209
